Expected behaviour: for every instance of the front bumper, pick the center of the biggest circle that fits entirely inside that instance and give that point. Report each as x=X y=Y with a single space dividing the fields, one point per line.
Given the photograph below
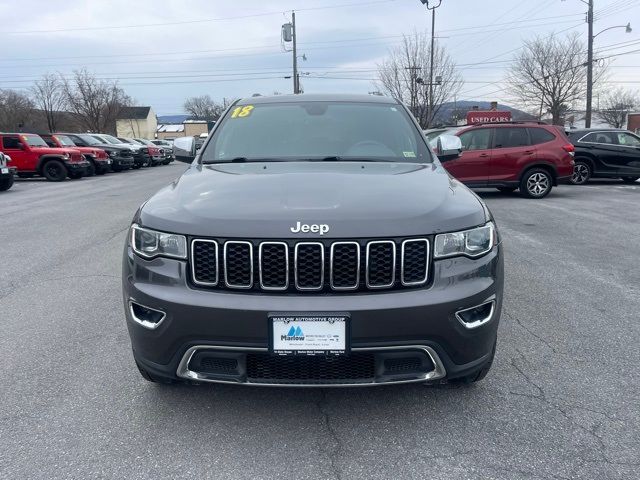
x=77 y=167
x=121 y=163
x=236 y=323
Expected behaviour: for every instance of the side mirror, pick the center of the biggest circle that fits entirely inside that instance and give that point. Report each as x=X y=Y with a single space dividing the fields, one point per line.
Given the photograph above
x=184 y=149
x=449 y=147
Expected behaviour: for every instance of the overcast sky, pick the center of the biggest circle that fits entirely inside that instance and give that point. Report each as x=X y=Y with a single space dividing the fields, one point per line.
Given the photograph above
x=165 y=51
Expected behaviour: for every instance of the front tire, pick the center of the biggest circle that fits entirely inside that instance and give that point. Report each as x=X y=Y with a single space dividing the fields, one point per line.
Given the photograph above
x=536 y=183
x=581 y=173
x=92 y=170
x=6 y=184
x=54 y=171
x=629 y=179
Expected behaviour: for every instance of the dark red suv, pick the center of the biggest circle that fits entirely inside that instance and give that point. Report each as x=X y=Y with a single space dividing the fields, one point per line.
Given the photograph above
x=529 y=156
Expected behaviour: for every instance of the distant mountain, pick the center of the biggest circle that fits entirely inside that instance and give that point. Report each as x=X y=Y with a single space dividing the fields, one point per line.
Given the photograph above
x=172 y=118
x=448 y=108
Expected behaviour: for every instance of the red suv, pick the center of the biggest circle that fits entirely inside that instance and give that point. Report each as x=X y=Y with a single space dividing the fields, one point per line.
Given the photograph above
x=529 y=156
x=32 y=156
x=99 y=161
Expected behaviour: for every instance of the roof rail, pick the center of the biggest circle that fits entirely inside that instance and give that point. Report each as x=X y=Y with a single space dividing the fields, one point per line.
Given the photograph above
x=517 y=122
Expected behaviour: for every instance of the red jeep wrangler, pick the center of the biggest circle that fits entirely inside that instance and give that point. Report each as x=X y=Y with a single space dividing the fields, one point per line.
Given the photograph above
x=32 y=156
x=99 y=161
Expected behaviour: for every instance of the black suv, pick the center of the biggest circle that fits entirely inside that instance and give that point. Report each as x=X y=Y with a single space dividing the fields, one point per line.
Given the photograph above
x=605 y=153
x=315 y=240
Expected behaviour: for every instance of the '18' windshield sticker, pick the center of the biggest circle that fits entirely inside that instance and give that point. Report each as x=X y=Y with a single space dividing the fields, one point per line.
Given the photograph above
x=242 y=112
x=409 y=154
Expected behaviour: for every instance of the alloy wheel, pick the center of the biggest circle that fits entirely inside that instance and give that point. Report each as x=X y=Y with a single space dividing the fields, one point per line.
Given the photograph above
x=580 y=174
x=538 y=184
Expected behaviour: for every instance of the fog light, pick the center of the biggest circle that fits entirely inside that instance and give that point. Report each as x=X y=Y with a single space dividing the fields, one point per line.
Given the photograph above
x=146 y=316
x=474 y=317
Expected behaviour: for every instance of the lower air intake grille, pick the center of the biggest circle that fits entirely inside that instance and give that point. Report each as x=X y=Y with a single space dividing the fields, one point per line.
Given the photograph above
x=354 y=368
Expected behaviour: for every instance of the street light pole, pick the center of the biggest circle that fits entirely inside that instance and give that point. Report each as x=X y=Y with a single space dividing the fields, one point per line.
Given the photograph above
x=587 y=117
x=296 y=80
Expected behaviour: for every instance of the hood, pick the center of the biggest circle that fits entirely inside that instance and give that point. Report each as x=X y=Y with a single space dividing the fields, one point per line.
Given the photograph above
x=355 y=199
x=108 y=147
x=74 y=153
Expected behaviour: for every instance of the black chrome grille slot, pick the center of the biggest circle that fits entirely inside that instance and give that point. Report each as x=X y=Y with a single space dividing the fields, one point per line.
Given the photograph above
x=238 y=264
x=381 y=264
x=414 y=261
x=204 y=263
x=309 y=265
x=273 y=261
x=345 y=266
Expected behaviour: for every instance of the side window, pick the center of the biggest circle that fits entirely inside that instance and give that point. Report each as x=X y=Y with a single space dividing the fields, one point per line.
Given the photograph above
x=49 y=142
x=598 y=137
x=476 y=139
x=510 y=137
x=540 y=135
x=77 y=140
x=628 y=140
x=11 y=143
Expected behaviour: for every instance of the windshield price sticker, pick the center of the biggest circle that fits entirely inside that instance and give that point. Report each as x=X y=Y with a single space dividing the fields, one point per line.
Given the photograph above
x=242 y=112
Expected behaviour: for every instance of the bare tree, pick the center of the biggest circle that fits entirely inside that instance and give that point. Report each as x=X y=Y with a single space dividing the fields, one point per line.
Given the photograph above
x=49 y=96
x=550 y=74
x=616 y=105
x=405 y=76
x=95 y=102
x=16 y=111
x=203 y=108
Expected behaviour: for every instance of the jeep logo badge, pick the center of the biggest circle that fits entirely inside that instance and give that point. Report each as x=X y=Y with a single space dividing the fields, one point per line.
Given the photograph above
x=313 y=228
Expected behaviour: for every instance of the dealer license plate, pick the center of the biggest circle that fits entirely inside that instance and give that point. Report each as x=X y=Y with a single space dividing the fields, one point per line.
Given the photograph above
x=309 y=334
x=5 y=170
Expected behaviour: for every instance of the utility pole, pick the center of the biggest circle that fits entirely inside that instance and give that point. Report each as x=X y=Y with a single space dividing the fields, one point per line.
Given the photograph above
x=296 y=79
x=414 y=88
x=430 y=102
x=433 y=36
x=587 y=117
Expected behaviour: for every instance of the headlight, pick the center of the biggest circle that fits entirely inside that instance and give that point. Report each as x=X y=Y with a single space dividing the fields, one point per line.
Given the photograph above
x=149 y=243
x=113 y=154
x=65 y=156
x=471 y=243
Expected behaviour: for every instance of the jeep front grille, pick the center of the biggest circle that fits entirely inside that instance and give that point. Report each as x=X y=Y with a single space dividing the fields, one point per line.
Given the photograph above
x=305 y=266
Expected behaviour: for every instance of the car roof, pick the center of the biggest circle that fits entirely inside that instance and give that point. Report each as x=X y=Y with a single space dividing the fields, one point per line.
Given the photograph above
x=589 y=130
x=317 y=97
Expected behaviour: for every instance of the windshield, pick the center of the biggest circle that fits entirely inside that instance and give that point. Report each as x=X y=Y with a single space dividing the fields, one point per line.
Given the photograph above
x=66 y=141
x=317 y=130
x=111 y=139
x=89 y=140
x=34 y=141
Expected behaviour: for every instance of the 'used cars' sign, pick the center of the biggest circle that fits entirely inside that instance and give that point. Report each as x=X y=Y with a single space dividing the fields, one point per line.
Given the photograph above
x=490 y=116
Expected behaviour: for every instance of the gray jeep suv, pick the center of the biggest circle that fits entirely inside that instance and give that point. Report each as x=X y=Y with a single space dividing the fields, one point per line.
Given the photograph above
x=315 y=240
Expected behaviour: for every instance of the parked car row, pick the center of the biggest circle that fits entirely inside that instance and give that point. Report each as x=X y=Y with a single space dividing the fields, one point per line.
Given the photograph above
x=57 y=156
x=532 y=157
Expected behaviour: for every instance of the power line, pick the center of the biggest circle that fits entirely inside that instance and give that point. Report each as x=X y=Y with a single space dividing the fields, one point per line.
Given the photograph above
x=190 y=22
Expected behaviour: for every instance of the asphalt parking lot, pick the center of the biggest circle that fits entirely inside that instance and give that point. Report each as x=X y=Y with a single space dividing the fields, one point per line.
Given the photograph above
x=562 y=399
